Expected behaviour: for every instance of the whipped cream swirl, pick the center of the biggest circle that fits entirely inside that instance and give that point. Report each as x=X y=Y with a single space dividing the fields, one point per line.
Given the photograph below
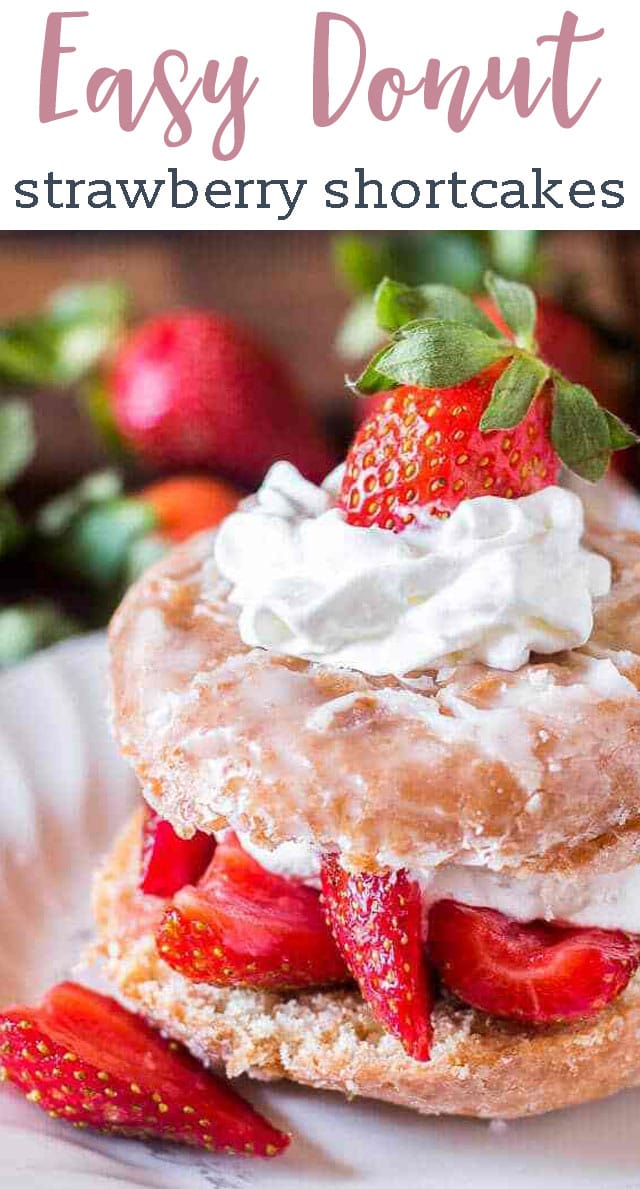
x=496 y=581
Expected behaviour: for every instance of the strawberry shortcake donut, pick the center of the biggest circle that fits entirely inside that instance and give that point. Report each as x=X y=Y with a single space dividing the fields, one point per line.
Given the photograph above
x=388 y=735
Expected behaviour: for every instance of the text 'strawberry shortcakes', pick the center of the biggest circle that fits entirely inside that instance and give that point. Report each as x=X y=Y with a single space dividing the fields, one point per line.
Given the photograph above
x=403 y=707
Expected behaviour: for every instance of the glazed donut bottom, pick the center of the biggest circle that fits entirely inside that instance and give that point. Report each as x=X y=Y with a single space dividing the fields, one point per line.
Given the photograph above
x=480 y=1066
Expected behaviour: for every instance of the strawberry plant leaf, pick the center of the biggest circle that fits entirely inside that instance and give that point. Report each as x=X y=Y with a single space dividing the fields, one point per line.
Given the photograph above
x=373 y=379
x=12 y=530
x=96 y=544
x=56 y=515
x=17 y=439
x=86 y=321
x=517 y=304
x=27 y=353
x=580 y=430
x=103 y=302
x=434 y=355
x=513 y=393
x=95 y=396
x=361 y=259
x=26 y=627
x=621 y=436
x=62 y=344
x=514 y=252
x=397 y=304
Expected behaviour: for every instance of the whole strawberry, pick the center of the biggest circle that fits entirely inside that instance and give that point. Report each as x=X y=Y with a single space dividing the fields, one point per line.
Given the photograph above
x=186 y=504
x=194 y=389
x=470 y=410
x=424 y=449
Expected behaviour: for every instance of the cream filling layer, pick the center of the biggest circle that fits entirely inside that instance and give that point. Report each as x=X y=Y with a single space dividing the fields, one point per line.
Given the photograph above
x=610 y=901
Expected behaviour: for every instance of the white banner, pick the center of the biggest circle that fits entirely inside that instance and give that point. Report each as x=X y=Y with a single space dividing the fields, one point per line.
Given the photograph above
x=123 y=114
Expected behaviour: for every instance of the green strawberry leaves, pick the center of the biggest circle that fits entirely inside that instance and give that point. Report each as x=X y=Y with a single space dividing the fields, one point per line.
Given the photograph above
x=397 y=304
x=579 y=431
x=85 y=322
x=435 y=354
x=17 y=447
x=59 y=513
x=517 y=305
x=95 y=547
x=65 y=342
x=621 y=436
x=373 y=379
x=17 y=439
x=90 y=531
x=441 y=338
x=583 y=434
x=29 y=626
x=513 y=393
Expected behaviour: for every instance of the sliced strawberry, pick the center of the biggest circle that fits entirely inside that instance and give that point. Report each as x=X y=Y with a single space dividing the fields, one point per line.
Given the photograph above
x=376 y=921
x=168 y=861
x=539 y=973
x=243 y=926
x=84 y=1058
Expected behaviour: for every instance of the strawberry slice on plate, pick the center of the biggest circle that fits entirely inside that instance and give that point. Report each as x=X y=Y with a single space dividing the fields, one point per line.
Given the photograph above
x=244 y=926
x=377 y=923
x=168 y=861
x=538 y=973
x=84 y=1058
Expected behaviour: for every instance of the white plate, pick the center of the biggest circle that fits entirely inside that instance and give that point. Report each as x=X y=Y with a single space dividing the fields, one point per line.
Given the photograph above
x=63 y=792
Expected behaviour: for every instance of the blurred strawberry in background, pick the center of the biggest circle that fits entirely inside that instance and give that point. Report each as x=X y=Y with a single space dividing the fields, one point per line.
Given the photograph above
x=187 y=504
x=195 y=389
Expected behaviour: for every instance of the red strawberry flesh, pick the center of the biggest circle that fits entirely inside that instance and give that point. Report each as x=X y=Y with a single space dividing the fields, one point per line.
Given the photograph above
x=537 y=973
x=244 y=926
x=423 y=449
x=377 y=921
x=84 y=1058
x=168 y=861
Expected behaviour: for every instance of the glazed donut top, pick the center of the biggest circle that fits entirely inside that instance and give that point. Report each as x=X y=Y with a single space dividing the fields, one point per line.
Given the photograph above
x=536 y=768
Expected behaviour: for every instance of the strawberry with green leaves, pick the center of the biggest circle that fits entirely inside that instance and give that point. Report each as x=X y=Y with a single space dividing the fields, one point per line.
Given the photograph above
x=470 y=411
